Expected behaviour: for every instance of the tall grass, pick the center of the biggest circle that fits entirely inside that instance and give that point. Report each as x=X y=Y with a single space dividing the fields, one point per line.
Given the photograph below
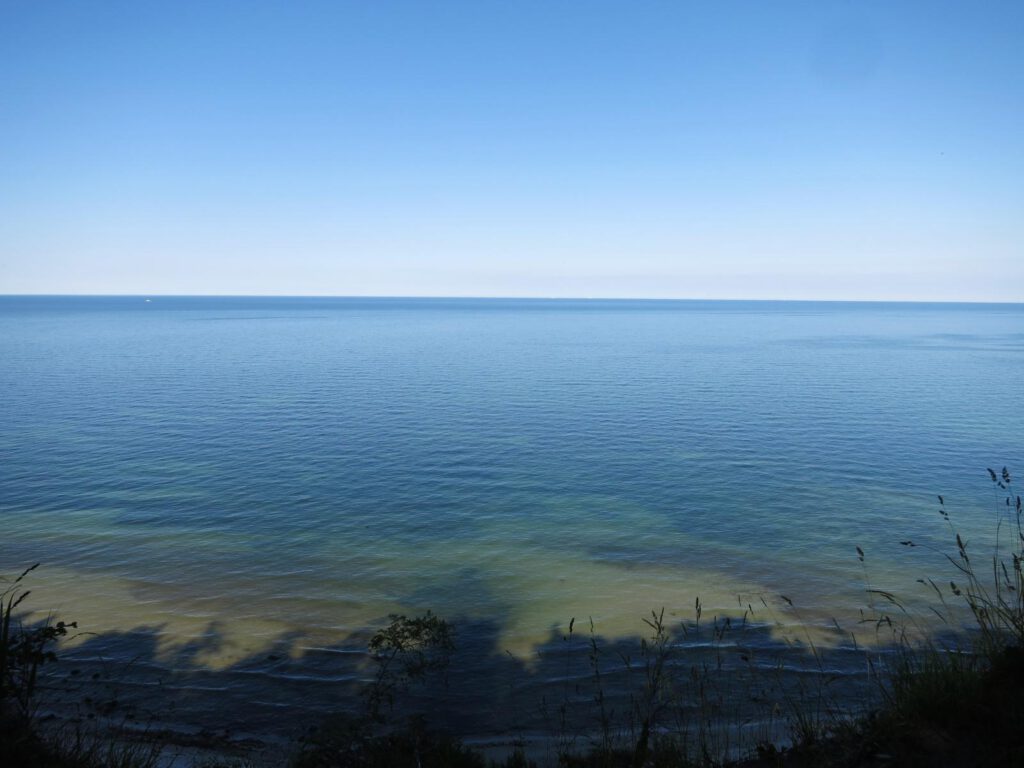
x=957 y=700
x=996 y=600
x=24 y=649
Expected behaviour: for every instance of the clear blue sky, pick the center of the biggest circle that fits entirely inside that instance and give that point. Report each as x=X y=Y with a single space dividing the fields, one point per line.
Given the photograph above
x=678 y=149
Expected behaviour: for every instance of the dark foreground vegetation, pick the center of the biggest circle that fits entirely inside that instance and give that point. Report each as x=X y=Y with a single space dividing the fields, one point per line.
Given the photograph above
x=955 y=699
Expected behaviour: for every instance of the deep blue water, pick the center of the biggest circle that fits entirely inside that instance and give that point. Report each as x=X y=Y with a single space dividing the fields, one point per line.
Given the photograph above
x=301 y=467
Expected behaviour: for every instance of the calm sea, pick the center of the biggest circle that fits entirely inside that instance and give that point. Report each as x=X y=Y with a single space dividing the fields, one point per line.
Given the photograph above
x=229 y=479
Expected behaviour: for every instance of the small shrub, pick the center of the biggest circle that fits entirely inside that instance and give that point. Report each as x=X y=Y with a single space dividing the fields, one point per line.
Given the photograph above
x=406 y=651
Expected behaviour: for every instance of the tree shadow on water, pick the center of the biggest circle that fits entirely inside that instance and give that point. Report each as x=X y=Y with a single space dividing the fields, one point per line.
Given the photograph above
x=576 y=689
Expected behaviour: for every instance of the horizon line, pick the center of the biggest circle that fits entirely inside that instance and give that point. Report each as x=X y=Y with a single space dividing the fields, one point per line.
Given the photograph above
x=499 y=298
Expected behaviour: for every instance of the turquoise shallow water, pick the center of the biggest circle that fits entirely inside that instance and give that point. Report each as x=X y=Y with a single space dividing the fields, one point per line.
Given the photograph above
x=298 y=468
